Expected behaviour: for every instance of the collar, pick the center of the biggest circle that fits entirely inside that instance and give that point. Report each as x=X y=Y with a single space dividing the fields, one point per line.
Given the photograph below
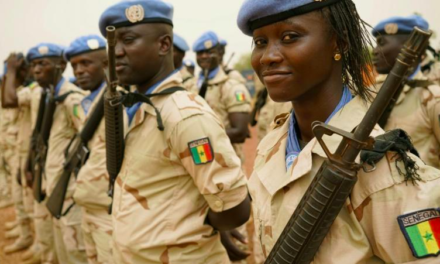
x=174 y=79
x=86 y=103
x=272 y=148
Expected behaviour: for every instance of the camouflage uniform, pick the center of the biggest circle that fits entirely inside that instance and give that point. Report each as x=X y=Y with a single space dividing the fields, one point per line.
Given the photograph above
x=161 y=196
x=417 y=112
x=189 y=81
x=91 y=194
x=268 y=113
x=5 y=177
x=366 y=230
x=225 y=96
x=67 y=120
x=30 y=99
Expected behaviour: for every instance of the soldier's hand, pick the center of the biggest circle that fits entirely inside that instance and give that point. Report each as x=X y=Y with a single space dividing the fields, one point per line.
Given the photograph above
x=234 y=253
x=14 y=62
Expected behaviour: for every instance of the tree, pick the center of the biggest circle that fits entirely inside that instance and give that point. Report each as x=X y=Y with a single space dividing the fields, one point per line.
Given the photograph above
x=243 y=63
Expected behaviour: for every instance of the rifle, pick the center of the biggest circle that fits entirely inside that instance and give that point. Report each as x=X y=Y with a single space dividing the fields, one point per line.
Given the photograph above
x=329 y=190
x=204 y=87
x=39 y=162
x=114 y=124
x=261 y=101
x=75 y=159
x=30 y=162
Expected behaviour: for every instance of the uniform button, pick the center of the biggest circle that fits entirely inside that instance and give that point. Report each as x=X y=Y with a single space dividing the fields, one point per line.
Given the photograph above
x=218 y=204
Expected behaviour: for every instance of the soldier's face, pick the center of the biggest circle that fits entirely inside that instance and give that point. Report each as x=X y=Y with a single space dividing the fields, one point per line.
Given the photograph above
x=140 y=52
x=208 y=59
x=43 y=71
x=88 y=69
x=294 y=57
x=386 y=51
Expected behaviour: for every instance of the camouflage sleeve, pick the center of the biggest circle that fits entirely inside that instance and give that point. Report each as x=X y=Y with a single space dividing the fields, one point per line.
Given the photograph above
x=74 y=110
x=24 y=97
x=433 y=108
x=398 y=216
x=207 y=154
x=35 y=104
x=236 y=97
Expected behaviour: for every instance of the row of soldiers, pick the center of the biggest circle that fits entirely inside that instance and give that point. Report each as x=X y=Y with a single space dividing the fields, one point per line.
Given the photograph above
x=180 y=195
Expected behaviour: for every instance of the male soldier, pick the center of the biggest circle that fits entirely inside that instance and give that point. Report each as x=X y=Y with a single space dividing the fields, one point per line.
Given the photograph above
x=179 y=48
x=16 y=125
x=177 y=185
x=229 y=98
x=87 y=56
x=190 y=66
x=418 y=106
x=47 y=60
x=233 y=74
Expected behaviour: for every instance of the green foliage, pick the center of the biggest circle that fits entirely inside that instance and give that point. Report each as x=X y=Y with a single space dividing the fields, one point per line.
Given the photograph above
x=243 y=63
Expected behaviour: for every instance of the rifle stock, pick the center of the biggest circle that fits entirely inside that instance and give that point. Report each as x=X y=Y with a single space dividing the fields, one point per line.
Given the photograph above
x=76 y=155
x=114 y=124
x=328 y=192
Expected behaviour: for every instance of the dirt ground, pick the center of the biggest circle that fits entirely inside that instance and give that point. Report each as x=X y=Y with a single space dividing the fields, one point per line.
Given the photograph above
x=8 y=214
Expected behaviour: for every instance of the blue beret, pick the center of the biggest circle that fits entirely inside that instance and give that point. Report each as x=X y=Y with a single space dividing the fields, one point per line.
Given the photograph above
x=256 y=14
x=44 y=50
x=189 y=63
x=223 y=42
x=180 y=43
x=83 y=45
x=206 y=41
x=129 y=13
x=400 y=25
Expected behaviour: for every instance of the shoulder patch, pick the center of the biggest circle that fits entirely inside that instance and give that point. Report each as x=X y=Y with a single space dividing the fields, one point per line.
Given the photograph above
x=422 y=232
x=201 y=151
x=76 y=110
x=240 y=96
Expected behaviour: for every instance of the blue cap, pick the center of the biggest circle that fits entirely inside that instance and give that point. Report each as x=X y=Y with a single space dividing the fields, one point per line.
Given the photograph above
x=44 y=50
x=130 y=13
x=180 y=43
x=206 y=41
x=400 y=25
x=256 y=14
x=84 y=44
x=189 y=63
x=223 y=42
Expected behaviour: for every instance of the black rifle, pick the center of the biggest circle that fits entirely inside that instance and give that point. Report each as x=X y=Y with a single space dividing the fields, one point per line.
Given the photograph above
x=76 y=155
x=329 y=190
x=114 y=123
x=204 y=87
x=30 y=163
x=261 y=101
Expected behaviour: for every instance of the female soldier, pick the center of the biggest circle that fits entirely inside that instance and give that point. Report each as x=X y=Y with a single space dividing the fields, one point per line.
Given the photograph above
x=313 y=54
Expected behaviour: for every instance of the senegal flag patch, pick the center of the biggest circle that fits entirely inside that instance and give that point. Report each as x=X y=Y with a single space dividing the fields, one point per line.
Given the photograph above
x=422 y=232
x=239 y=96
x=201 y=151
x=76 y=110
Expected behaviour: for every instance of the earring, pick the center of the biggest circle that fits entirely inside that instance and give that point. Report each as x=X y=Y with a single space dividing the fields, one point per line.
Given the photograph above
x=337 y=57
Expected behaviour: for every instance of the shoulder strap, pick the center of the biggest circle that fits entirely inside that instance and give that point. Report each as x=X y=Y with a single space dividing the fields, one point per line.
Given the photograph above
x=129 y=99
x=61 y=98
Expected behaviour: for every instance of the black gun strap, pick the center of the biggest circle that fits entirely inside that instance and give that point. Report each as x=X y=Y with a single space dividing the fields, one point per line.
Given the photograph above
x=129 y=99
x=419 y=83
x=61 y=98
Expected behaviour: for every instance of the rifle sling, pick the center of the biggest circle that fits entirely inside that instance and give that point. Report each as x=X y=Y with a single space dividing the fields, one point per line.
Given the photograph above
x=129 y=99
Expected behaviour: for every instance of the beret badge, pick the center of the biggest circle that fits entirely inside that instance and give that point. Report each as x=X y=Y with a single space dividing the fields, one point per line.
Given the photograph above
x=391 y=28
x=93 y=44
x=134 y=13
x=208 y=44
x=43 y=50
